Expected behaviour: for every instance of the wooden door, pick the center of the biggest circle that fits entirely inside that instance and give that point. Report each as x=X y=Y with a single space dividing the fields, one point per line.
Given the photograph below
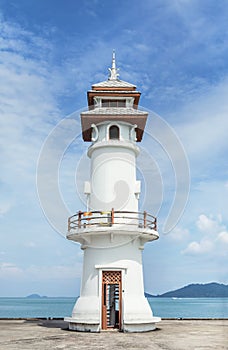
x=111 y=299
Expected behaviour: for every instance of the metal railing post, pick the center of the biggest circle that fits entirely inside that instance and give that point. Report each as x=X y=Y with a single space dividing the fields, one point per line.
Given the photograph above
x=112 y=216
x=144 y=219
x=79 y=218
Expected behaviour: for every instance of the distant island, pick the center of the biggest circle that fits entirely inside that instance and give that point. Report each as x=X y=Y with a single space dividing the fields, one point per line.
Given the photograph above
x=35 y=296
x=196 y=290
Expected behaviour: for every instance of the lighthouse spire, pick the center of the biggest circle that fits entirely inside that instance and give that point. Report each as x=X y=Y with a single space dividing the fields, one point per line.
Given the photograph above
x=113 y=71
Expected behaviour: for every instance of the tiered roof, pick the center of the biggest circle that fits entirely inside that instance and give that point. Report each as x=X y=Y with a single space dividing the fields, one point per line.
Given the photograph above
x=117 y=83
x=113 y=88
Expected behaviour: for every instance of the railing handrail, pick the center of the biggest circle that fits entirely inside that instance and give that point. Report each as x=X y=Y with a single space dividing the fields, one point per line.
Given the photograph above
x=110 y=211
x=86 y=218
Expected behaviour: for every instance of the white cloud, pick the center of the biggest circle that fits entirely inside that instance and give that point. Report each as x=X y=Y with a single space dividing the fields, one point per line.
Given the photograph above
x=215 y=236
x=27 y=103
x=223 y=237
x=208 y=225
x=29 y=107
x=198 y=248
x=10 y=270
x=29 y=93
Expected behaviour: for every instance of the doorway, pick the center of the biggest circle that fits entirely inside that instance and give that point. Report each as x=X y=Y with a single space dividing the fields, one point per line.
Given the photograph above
x=111 y=299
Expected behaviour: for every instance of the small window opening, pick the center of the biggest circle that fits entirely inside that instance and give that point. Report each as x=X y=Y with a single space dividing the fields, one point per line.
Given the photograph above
x=113 y=103
x=114 y=132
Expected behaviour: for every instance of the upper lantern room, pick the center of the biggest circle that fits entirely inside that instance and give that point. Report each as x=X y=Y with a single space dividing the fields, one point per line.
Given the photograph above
x=113 y=100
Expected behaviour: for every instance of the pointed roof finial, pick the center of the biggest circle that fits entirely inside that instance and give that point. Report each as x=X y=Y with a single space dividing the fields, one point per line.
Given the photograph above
x=113 y=71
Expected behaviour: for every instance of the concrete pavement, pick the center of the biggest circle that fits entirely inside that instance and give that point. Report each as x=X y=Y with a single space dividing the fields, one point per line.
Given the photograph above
x=170 y=335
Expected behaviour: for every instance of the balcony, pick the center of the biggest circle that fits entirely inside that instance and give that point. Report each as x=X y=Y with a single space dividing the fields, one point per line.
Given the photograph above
x=128 y=219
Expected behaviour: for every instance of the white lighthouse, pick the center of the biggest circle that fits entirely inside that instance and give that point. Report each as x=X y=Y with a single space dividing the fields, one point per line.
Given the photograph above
x=112 y=232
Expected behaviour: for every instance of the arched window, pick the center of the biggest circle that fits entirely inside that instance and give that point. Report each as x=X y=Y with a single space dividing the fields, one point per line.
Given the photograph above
x=114 y=132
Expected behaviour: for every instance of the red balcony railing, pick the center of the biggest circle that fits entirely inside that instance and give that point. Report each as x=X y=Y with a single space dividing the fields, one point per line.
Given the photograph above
x=88 y=219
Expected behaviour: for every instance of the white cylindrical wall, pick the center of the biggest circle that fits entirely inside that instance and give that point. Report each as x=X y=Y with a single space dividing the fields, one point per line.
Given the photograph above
x=113 y=179
x=123 y=254
x=113 y=169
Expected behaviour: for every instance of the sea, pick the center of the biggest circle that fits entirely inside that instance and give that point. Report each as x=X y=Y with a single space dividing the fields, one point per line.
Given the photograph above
x=164 y=307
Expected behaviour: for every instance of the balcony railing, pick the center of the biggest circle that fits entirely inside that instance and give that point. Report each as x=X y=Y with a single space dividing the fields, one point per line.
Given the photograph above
x=88 y=219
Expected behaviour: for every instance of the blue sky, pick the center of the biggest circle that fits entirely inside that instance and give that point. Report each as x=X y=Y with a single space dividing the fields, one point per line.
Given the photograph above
x=176 y=52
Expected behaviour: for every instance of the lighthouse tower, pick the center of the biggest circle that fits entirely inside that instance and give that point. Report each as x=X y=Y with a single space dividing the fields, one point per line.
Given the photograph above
x=112 y=232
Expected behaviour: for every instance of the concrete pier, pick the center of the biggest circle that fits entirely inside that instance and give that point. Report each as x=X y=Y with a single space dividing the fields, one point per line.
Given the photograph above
x=169 y=335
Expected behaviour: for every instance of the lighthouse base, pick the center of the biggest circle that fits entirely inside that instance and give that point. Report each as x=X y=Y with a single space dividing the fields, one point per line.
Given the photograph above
x=136 y=315
x=130 y=327
x=133 y=327
x=82 y=327
x=85 y=315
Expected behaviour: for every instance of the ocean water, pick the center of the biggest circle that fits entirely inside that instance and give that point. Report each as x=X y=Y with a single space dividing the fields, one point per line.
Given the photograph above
x=40 y=307
x=189 y=307
x=163 y=307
